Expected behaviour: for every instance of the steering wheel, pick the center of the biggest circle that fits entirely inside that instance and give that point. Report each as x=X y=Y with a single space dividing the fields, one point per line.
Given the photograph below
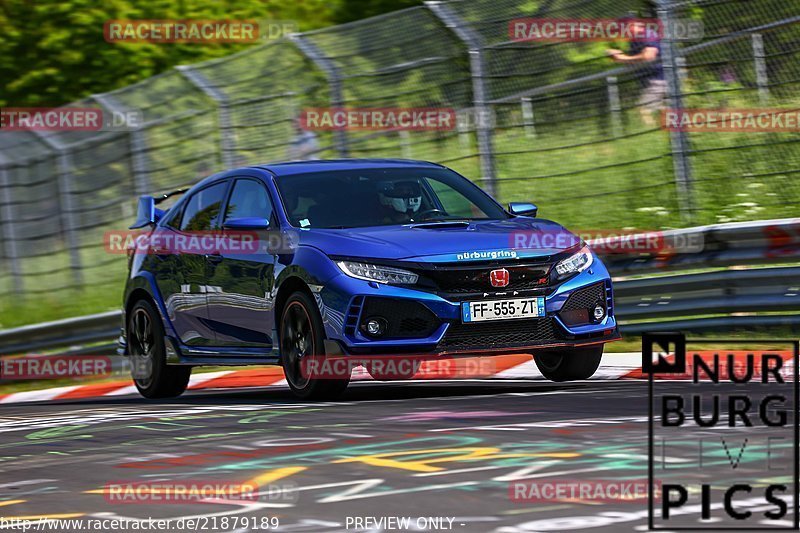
x=426 y=214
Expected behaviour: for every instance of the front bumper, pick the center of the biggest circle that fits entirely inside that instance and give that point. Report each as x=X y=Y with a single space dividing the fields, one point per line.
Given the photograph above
x=425 y=322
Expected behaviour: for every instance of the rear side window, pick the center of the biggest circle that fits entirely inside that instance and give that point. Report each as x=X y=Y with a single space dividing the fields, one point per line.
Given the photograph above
x=249 y=199
x=173 y=218
x=203 y=208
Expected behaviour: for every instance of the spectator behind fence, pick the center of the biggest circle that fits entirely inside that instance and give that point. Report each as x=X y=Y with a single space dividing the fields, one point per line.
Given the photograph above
x=647 y=52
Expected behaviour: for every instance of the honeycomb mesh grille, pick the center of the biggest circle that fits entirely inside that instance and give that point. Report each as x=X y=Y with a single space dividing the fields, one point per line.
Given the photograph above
x=578 y=308
x=405 y=318
x=585 y=298
x=491 y=335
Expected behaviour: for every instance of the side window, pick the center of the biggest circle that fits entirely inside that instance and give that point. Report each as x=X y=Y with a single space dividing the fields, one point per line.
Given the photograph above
x=202 y=210
x=249 y=199
x=173 y=219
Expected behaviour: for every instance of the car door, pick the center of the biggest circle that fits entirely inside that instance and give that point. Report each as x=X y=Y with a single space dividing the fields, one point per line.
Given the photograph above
x=182 y=275
x=241 y=281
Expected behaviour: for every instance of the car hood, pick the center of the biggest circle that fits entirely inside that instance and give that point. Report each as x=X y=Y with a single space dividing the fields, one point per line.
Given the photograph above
x=479 y=241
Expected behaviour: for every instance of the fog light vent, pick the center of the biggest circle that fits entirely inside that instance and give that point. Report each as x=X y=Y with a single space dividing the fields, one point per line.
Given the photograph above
x=375 y=327
x=599 y=312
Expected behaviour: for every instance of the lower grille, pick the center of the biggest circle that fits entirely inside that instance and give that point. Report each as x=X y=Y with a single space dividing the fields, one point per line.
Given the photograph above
x=585 y=298
x=508 y=334
x=577 y=310
x=404 y=318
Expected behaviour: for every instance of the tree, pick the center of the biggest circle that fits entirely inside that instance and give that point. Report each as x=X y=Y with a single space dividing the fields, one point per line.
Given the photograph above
x=53 y=51
x=350 y=10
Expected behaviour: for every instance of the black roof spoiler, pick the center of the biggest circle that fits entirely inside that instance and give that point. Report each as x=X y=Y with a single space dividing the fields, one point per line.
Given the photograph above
x=147 y=214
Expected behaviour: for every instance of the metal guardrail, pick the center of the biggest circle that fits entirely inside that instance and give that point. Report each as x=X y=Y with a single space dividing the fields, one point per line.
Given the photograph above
x=736 y=244
x=685 y=301
x=735 y=293
x=67 y=333
x=749 y=280
x=732 y=291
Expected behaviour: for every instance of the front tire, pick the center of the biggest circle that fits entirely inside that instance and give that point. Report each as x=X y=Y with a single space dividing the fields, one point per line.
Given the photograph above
x=569 y=365
x=152 y=376
x=302 y=335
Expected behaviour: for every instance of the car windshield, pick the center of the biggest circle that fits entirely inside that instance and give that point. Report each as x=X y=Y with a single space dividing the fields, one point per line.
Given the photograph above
x=382 y=197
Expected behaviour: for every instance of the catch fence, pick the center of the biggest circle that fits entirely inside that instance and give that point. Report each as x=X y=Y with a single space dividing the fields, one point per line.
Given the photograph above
x=568 y=129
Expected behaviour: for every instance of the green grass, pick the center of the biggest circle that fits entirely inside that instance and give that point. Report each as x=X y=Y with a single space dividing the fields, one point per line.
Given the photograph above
x=61 y=304
x=55 y=296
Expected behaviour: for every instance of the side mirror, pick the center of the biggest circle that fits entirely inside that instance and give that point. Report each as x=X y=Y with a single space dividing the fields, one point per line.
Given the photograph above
x=246 y=223
x=147 y=214
x=525 y=209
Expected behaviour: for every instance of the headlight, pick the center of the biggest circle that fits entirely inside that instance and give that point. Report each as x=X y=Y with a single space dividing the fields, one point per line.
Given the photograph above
x=575 y=263
x=381 y=274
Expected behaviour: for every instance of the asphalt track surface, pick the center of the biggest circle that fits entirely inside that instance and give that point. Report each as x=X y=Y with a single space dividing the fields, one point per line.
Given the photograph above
x=441 y=455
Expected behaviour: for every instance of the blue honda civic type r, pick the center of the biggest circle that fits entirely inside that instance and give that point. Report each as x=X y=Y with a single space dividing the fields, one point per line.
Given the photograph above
x=363 y=258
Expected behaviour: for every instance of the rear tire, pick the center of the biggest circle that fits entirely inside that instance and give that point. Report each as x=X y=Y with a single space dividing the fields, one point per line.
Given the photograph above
x=569 y=365
x=152 y=376
x=301 y=335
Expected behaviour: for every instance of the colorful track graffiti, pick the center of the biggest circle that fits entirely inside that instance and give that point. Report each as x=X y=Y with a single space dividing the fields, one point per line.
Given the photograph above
x=443 y=453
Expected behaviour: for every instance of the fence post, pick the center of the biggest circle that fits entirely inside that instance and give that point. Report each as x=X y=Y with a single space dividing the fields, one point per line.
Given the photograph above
x=760 y=60
x=227 y=140
x=480 y=91
x=331 y=72
x=528 y=120
x=138 y=147
x=405 y=144
x=615 y=106
x=683 y=70
x=681 y=149
x=66 y=207
x=9 y=235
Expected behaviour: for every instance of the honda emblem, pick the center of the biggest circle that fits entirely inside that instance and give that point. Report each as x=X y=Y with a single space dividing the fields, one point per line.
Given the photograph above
x=499 y=277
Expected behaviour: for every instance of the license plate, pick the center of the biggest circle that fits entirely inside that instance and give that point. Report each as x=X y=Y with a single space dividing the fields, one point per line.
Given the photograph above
x=484 y=310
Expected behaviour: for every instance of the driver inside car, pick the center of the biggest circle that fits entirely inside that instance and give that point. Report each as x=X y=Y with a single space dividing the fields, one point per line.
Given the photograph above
x=400 y=201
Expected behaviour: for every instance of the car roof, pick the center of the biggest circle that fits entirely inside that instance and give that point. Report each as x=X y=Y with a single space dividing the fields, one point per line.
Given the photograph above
x=290 y=168
x=303 y=167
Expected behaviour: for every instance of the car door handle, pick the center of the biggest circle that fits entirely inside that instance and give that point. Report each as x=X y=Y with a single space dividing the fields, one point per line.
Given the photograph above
x=214 y=258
